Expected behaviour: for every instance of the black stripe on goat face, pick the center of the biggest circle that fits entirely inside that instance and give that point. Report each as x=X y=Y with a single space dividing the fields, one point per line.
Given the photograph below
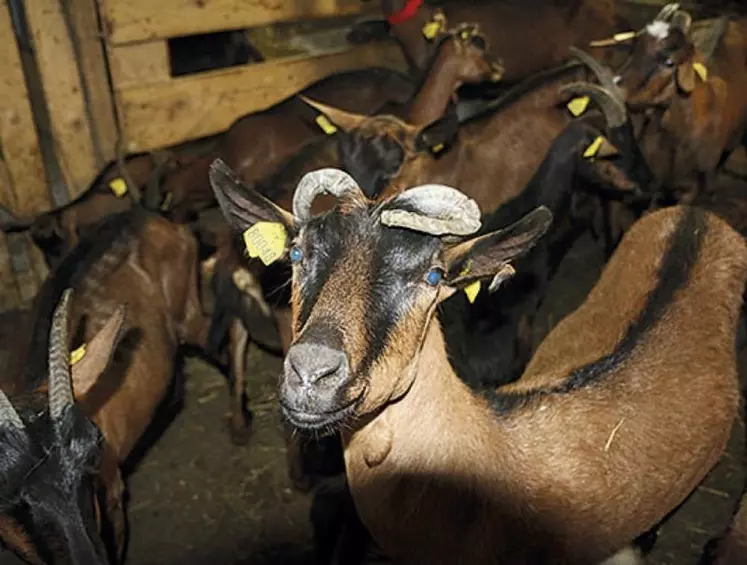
x=648 y=77
x=361 y=302
x=47 y=512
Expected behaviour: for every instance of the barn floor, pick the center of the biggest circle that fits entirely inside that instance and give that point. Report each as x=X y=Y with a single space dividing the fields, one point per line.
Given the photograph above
x=196 y=498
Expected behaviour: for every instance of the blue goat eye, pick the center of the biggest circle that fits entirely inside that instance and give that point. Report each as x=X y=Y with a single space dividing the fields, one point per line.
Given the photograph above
x=434 y=276
x=295 y=254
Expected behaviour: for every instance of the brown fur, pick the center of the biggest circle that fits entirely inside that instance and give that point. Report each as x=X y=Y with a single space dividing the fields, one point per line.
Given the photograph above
x=684 y=124
x=565 y=477
x=154 y=273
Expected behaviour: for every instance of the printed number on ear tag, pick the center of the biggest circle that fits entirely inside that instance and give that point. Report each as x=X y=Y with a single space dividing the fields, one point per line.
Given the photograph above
x=265 y=240
x=578 y=106
x=431 y=29
x=119 y=187
x=701 y=70
x=593 y=149
x=327 y=127
x=77 y=354
x=472 y=291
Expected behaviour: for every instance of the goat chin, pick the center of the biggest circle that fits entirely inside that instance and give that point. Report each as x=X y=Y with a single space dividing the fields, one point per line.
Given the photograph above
x=627 y=556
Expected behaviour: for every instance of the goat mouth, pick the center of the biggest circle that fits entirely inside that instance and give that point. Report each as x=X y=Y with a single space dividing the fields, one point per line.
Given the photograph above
x=325 y=420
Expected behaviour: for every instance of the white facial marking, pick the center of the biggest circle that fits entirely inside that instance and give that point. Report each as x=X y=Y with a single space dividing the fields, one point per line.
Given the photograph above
x=627 y=556
x=658 y=29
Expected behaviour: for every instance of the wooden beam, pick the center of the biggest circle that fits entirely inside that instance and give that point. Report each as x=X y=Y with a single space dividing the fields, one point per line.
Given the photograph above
x=127 y=21
x=196 y=106
x=92 y=61
x=63 y=92
x=25 y=183
x=139 y=64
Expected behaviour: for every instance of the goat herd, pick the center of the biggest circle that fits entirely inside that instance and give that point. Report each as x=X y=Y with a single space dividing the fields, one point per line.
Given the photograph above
x=393 y=236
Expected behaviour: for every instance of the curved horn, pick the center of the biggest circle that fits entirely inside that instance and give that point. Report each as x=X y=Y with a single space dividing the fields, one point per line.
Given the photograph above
x=8 y=414
x=682 y=20
x=666 y=13
x=60 y=385
x=332 y=181
x=604 y=75
x=613 y=108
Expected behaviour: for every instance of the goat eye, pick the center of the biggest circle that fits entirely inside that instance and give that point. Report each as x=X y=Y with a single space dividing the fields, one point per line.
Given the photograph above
x=295 y=254
x=434 y=276
x=669 y=62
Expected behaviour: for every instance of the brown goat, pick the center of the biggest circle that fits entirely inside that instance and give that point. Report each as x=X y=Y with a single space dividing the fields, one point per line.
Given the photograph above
x=686 y=101
x=528 y=37
x=566 y=466
x=460 y=59
x=149 y=264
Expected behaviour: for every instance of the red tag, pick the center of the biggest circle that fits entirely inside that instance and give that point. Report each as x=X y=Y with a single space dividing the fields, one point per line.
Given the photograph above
x=410 y=9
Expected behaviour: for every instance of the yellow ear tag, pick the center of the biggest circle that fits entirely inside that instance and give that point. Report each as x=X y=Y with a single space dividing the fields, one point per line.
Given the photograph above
x=327 y=127
x=472 y=291
x=594 y=147
x=702 y=71
x=265 y=240
x=166 y=201
x=431 y=29
x=77 y=354
x=119 y=187
x=624 y=36
x=578 y=106
x=437 y=148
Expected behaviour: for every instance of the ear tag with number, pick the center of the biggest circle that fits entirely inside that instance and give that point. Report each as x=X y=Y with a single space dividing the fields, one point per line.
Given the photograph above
x=593 y=149
x=431 y=29
x=473 y=289
x=166 y=202
x=118 y=186
x=437 y=148
x=327 y=127
x=266 y=240
x=701 y=71
x=578 y=106
x=77 y=354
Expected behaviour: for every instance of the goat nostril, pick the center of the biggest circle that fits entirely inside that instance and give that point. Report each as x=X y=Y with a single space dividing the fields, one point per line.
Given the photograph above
x=317 y=374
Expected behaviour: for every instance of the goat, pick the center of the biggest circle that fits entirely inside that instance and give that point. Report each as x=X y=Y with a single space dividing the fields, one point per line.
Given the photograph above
x=685 y=100
x=235 y=317
x=567 y=465
x=526 y=37
x=57 y=231
x=61 y=460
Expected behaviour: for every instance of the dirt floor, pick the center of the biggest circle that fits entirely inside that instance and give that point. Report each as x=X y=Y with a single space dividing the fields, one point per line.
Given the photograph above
x=196 y=498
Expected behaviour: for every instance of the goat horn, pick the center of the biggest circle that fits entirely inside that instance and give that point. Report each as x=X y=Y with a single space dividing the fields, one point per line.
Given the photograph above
x=332 y=181
x=613 y=108
x=682 y=20
x=604 y=74
x=667 y=12
x=60 y=385
x=8 y=414
x=433 y=209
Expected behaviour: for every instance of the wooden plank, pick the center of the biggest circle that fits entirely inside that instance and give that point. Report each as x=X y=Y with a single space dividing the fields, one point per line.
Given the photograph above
x=127 y=21
x=92 y=61
x=196 y=106
x=63 y=92
x=139 y=64
x=28 y=194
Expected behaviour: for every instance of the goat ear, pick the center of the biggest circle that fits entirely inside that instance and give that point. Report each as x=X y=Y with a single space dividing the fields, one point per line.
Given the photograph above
x=490 y=255
x=438 y=134
x=340 y=118
x=97 y=354
x=686 y=77
x=241 y=205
